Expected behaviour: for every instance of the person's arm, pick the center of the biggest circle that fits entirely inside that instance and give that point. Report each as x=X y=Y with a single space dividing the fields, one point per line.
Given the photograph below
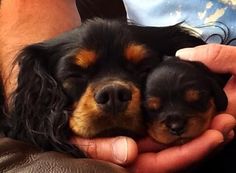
x=28 y=21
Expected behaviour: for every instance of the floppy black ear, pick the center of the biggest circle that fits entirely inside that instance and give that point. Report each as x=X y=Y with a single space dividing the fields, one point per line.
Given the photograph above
x=38 y=104
x=166 y=40
x=2 y=109
x=220 y=98
x=217 y=82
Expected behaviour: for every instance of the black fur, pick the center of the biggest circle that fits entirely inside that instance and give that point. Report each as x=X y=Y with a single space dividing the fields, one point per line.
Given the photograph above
x=40 y=106
x=173 y=77
x=2 y=109
x=165 y=79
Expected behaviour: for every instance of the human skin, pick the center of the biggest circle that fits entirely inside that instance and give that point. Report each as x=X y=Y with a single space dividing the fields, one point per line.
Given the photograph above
x=147 y=156
x=25 y=22
x=29 y=21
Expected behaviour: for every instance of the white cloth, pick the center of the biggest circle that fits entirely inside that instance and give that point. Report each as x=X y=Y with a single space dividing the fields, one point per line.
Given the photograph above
x=207 y=17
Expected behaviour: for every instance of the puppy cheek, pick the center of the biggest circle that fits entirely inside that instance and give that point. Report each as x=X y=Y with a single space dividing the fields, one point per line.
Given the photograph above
x=201 y=121
x=133 y=113
x=87 y=119
x=82 y=118
x=159 y=132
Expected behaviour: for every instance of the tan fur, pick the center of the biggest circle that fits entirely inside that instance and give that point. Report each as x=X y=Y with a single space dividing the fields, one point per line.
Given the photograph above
x=88 y=119
x=199 y=123
x=85 y=58
x=135 y=52
x=154 y=103
x=192 y=95
x=195 y=127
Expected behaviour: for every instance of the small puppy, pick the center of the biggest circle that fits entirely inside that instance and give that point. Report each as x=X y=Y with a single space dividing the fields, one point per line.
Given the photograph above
x=88 y=82
x=181 y=98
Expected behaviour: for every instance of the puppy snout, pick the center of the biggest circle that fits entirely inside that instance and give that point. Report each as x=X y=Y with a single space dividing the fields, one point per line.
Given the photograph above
x=113 y=98
x=176 y=125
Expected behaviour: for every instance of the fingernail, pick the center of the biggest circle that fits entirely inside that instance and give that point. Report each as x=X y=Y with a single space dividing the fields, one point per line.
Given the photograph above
x=120 y=149
x=230 y=135
x=227 y=129
x=184 y=53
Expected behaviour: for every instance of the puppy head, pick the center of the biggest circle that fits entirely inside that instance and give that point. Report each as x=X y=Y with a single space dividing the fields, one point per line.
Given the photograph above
x=86 y=82
x=113 y=67
x=181 y=98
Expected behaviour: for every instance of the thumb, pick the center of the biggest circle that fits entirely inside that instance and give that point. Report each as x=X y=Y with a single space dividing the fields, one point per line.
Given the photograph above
x=120 y=150
x=219 y=58
x=179 y=157
x=230 y=90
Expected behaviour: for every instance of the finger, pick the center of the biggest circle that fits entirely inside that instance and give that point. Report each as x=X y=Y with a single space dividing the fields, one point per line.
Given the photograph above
x=149 y=145
x=229 y=137
x=119 y=150
x=230 y=90
x=179 y=157
x=223 y=123
x=219 y=58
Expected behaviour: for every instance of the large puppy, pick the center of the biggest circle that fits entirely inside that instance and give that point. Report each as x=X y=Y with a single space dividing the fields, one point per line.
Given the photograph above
x=87 y=82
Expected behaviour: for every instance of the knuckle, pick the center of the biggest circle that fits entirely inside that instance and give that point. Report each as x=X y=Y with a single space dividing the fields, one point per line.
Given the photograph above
x=214 y=52
x=92 y=150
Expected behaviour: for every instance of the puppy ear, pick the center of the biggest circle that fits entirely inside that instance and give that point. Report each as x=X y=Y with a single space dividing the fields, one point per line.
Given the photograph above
x=217 y=82
x=166 y=40
x=220 y=98
x=3 y=123
x=38 y=104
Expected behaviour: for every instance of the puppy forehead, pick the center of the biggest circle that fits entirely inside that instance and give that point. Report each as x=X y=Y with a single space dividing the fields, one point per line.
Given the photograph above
x=175 y=73
x=176 y=85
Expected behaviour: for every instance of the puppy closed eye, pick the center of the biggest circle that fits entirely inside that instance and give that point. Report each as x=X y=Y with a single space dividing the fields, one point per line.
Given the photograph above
x=143 y=59
x=74 y=85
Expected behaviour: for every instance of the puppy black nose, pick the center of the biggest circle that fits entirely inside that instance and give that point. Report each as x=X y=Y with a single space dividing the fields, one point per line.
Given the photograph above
x=113 y=98
x=176 y=126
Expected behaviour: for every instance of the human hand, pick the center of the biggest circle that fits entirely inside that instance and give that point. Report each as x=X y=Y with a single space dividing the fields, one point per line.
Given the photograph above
x=218 y=58
x=147 y=156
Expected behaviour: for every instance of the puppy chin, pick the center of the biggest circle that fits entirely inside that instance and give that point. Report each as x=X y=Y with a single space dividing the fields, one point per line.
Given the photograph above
x=195 y=128
x=197 y=124
x=171 y=140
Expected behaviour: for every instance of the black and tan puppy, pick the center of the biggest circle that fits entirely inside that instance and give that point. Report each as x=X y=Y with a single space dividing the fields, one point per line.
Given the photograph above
x=181 y=98
x=87 y=82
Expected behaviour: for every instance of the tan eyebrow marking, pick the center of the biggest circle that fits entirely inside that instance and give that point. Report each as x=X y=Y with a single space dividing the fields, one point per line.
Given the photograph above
x=192 y=95
x=85 y=58
x=154 y=103
x=135 y=52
